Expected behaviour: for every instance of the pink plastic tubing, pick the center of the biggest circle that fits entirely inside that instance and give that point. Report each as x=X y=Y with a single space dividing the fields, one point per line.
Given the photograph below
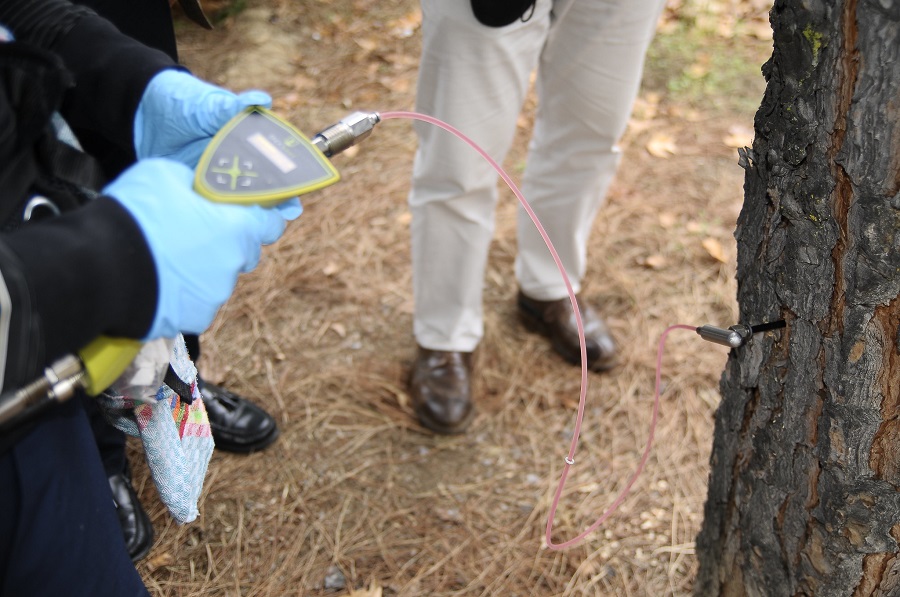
x=570 y=458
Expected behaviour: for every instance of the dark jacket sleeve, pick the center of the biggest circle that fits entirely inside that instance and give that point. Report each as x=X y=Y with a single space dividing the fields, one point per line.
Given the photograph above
x=111 y=70
x=89 y=271
x=85 y=273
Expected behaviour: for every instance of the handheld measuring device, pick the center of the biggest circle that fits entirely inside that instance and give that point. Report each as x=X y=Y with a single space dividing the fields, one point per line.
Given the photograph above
x=256 y=158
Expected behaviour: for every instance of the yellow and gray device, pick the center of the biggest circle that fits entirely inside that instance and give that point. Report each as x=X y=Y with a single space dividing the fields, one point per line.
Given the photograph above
x=260 y=159
x=256 y=158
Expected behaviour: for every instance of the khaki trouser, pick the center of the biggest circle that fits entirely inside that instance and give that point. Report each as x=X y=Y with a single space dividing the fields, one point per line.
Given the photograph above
x=589 y=56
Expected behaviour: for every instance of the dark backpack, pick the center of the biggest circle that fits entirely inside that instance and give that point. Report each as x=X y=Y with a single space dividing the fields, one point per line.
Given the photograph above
x=42 y=175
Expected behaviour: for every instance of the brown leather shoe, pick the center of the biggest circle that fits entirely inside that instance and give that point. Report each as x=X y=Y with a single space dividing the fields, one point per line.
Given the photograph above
x=556 y=320
x=441 y=388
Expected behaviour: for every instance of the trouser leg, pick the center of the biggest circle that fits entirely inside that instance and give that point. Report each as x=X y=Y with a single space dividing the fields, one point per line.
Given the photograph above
x=110 y=440
x=475 y=78
x=588 y=77
x=59 y=534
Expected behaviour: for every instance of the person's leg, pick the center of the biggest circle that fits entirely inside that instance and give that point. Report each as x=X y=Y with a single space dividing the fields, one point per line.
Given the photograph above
x=58 y=530
x=137 y=529
x=589 y=75
x=588 y=78
x=110 y=441
x=475 y=78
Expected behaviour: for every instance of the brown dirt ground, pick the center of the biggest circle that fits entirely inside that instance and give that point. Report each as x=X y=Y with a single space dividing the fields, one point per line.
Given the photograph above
x=355 y=498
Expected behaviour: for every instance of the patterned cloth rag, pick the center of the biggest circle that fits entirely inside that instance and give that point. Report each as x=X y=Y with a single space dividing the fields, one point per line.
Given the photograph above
x=175 y=432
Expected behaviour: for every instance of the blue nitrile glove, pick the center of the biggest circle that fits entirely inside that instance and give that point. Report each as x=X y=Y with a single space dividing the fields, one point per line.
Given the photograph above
x=179 y=114
x=199 y=247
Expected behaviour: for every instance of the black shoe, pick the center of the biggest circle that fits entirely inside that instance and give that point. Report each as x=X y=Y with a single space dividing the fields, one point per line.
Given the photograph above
x=136 y=526
x=237 y=424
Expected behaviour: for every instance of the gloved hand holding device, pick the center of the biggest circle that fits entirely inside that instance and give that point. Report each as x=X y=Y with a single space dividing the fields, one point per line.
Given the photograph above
x=199 y=247
x=179 y=115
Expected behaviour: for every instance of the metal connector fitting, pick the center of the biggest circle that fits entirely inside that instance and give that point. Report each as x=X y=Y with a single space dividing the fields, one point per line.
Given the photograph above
x=57 y=384
x=735 y=336
x=345 y=133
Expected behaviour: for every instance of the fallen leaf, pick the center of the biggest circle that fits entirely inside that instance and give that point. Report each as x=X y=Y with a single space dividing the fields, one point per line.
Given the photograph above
x=646 y=107
x=372 y=591
x=367 y=43
x=654 y=262
x=667 y=26
x=714 y=248
x=725 y=28
x=589 y=487
x=693 y=115
x=684 y=114
x=158 y=561
x=300 y=82
x=406 y=307
x=760 y=30
x=739 y=136
x=636 y=125
x=589 y=569
x=397 y=84
x=406 y=26
x=697 y=71
x=399 y=61
x=661 y=145
x=287 y=102
x=667 y=220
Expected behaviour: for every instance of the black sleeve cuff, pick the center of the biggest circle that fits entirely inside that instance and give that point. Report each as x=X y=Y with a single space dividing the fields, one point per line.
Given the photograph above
x=90 y=273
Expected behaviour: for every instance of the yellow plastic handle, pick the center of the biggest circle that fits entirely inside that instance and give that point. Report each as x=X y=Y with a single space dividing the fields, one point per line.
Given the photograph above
x=105 y=359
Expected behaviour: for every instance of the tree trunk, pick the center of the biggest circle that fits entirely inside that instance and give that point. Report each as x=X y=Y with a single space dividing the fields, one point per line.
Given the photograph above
x=804 y=495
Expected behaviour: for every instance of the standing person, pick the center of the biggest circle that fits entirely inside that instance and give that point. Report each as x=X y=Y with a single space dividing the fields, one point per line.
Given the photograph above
x=477 y=58
x=238 y=425
x=96 y=264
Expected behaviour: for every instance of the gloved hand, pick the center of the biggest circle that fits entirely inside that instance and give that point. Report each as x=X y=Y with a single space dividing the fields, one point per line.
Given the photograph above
x=179 y=114
x=199 y=247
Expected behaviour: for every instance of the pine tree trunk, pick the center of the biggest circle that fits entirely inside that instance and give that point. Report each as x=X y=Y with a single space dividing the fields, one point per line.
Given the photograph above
x=804 y=495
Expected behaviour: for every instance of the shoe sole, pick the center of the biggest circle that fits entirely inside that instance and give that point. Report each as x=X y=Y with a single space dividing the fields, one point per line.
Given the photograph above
x=457 y=429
